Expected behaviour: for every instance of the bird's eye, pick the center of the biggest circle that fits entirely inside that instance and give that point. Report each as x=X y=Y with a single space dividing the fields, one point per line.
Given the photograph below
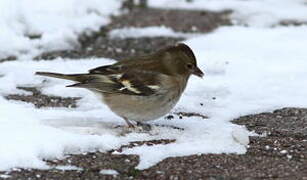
x=189 y=66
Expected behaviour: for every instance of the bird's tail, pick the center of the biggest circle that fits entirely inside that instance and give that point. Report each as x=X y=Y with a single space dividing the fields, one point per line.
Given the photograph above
x=73 y=77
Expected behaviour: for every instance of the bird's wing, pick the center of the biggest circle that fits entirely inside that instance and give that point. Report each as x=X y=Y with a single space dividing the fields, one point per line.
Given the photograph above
x=108 y=69
x=146 y=63
x=132 y=82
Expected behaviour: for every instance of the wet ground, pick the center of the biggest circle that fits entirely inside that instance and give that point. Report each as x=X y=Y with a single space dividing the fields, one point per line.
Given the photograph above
x=280 y=154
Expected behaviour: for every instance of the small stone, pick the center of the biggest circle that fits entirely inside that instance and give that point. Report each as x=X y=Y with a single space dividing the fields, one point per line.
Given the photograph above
x=289 y=156
x=108 y=172
x=194 y=28
x=118 y=50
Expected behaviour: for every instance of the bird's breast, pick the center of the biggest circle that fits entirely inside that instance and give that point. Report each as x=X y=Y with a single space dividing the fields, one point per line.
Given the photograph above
x=141 y=108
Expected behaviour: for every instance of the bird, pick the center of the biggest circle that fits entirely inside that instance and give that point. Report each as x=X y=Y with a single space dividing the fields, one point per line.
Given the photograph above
x=139 y=89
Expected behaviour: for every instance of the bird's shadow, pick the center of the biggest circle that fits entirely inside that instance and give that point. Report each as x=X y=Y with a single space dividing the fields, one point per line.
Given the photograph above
x=83 y=125
x=94 y=126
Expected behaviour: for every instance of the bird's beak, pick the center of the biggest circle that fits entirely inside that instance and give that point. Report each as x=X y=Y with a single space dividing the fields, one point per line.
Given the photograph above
x=198 y=72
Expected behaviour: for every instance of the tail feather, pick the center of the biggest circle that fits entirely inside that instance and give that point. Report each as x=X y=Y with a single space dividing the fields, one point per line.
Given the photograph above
x=73 y=77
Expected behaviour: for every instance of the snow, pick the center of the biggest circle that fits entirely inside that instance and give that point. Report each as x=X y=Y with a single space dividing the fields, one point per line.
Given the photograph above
x=4 y=176
x=108 y=172
x=247 y=70
x=252 y=12
x=68 y=168
x=25 y=140
x=152 y=31
x=58 y=23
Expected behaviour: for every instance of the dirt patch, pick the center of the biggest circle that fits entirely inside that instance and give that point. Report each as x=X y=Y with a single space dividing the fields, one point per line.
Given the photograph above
x=102 y=46
x=140 y=143
x=40 y=100
x=292 y=23
x=9 y=58
x=179 y=20
x=91 y=165
x=286 y=122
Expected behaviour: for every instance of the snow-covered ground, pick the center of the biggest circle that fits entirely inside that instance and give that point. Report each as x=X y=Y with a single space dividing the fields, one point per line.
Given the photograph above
x=58 y=22
x=248 y=70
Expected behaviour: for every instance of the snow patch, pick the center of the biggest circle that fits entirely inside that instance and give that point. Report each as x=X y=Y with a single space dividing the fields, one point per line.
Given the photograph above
x=29 y=27
x=152 y=31
x=4 y=176
x=68 y=168
x=108 y=172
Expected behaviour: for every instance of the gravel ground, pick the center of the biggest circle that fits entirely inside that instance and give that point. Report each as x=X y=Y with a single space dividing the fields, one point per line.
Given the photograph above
x=179 y=20
x=102 y=46
x=281 y=153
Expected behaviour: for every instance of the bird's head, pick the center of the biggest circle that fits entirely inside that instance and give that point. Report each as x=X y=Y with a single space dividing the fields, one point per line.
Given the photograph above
x=180 y=60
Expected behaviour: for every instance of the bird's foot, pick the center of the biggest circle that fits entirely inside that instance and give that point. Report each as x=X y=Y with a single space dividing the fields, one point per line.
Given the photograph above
x=136 y=127
x=144 y=126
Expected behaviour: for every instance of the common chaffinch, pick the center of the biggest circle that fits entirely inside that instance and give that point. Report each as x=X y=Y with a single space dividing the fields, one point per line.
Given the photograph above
x=140 y=88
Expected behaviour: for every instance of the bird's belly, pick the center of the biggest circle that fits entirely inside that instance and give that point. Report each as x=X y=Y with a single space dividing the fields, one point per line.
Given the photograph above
x=141 y=108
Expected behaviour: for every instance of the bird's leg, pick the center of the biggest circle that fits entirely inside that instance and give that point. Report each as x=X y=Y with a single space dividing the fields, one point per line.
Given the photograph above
x=130 y=125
